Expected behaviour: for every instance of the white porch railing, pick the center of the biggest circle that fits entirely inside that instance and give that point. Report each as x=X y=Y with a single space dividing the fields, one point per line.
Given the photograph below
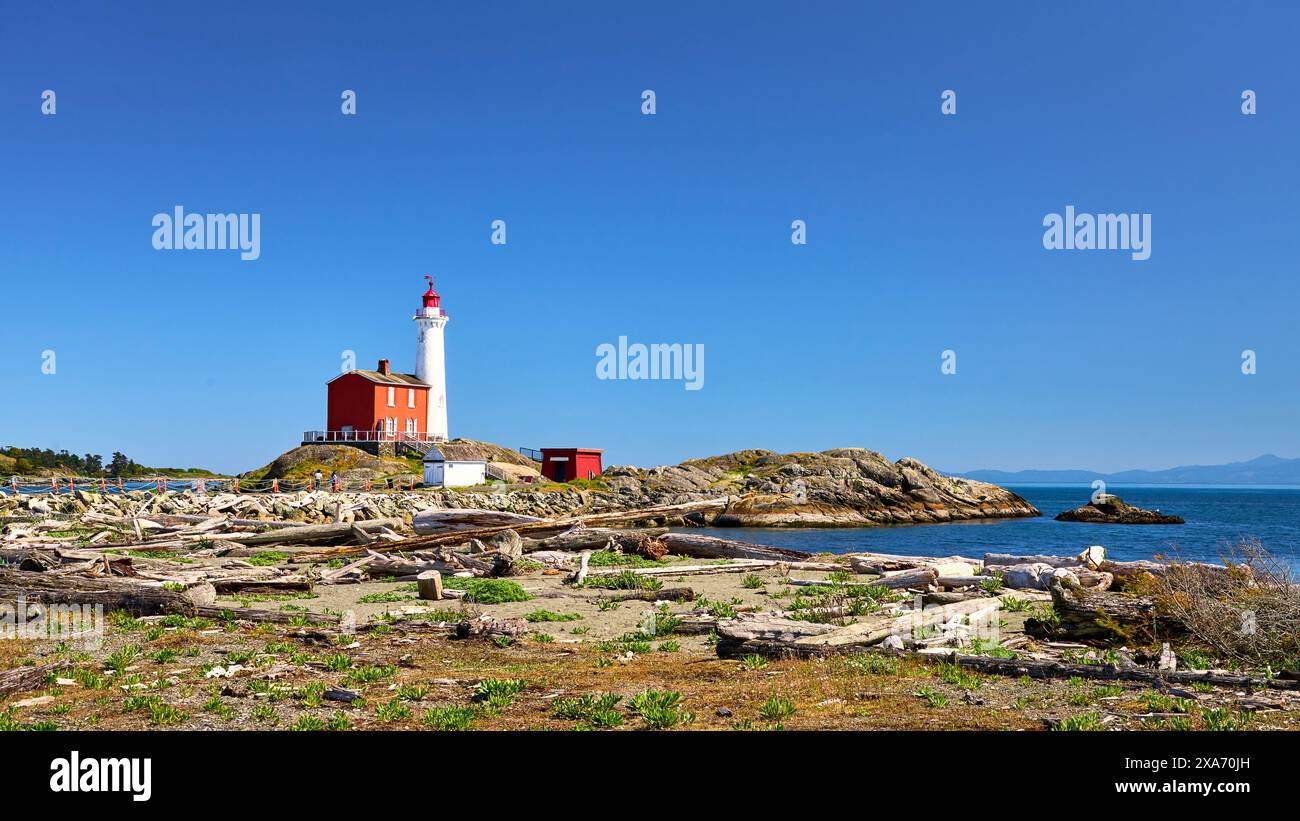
x=318 y=436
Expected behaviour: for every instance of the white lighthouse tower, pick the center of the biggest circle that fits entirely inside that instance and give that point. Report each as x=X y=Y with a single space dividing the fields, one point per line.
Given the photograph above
x=430 y=367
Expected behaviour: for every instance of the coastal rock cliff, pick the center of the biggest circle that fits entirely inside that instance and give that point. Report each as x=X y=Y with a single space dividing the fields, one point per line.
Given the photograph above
x=843 y=487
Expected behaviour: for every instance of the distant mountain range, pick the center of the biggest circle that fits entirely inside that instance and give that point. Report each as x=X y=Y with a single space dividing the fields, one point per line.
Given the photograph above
x=1263 y=470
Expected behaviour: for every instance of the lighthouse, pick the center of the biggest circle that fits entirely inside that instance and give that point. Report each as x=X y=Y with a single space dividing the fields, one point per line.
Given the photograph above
x=430 y=365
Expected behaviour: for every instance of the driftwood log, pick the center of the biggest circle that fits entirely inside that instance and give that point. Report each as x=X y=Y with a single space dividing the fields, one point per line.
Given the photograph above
x=451 y=520
x=1056 y=669
x=28 y=678
x=881 y=563
x=533 y=528
x=134 y=597
x=310 y=533
x=711 y=547
x=775 y=635
x=232 y=586
x=579 y=539
x=258 y=615
x=921 y=577
x=1093 y=614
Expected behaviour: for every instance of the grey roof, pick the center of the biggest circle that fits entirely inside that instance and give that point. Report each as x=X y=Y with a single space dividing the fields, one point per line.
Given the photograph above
x=453 y=453
x=391 y=379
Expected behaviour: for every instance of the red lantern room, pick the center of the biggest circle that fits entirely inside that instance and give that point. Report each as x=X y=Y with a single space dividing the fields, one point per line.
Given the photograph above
x=431 y=298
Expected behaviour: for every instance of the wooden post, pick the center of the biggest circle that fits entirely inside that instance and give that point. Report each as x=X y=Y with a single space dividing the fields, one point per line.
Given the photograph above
x=581 y=575
x=429 y=585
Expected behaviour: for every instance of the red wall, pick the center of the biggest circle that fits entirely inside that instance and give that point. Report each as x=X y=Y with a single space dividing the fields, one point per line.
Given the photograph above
x=356 y=401
x=581 y=461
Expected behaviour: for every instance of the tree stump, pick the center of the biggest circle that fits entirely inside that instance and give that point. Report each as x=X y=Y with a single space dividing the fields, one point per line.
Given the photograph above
x=429 y=585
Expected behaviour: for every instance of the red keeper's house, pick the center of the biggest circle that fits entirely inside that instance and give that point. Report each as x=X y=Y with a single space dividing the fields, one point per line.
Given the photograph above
x=375 y=406
x=564 y=464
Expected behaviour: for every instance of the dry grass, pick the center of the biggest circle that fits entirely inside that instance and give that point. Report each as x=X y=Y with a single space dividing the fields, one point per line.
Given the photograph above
x=1249 y=615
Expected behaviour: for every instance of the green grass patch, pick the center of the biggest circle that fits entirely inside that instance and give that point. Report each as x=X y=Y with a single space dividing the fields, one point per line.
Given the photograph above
x=550 y=615
x=487 y=591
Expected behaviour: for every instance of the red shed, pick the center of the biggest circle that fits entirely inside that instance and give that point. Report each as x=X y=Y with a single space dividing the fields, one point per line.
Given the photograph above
x=377 y=405
x=563 y=464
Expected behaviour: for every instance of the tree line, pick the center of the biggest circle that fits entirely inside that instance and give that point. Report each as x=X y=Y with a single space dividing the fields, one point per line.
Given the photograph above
x=29 y=461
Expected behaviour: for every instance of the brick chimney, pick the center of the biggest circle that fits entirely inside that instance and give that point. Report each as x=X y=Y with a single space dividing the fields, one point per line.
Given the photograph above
x=383 y=367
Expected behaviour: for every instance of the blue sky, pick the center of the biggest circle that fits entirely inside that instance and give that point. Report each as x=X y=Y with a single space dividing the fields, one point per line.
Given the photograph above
x=924 y=231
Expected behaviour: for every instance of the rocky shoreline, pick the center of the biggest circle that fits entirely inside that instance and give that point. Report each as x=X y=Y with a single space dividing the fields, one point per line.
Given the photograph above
x=843 y=487
x=847 y=487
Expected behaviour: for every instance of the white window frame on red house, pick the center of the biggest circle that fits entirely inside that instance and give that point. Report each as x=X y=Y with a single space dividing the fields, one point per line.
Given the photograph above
x=410 y=397
x=392 y=397
x=390 y=426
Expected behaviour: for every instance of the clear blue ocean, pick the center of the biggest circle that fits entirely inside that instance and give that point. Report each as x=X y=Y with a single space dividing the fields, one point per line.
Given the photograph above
x=1215 y=516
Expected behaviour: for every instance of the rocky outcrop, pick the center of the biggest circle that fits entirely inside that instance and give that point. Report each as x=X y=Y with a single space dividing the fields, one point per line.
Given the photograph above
x=1112 y=510
x=844 y=487
x=353 y=464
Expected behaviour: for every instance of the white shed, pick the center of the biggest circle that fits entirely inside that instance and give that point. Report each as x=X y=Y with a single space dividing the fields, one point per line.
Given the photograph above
x=439 y=471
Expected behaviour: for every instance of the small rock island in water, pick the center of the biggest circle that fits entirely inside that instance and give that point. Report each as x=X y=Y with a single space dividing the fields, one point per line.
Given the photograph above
x=1112 y=510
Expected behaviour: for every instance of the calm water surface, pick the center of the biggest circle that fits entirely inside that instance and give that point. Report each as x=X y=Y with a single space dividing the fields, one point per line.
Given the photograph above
x=1215 y=516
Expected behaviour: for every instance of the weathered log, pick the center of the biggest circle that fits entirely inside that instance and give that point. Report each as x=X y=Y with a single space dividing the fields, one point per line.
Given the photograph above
x=1008 y=560
x=232 y=586
x=451 y=520
x=532 y=528
x=921 y=577
x=963 y=581
x=136 y=598
x=942 y=597
x=711 y=547
x=739 y=566
x=310 y=533
x=1091 y=614
x=1056 y=669
x=254 y=614
x=883 y=563
x=594 y=538
x=379 y=565
x=770 y=627
x=219 y=521
x=769 y=635
x=35 y=558
x=351 y=572
x=28 y=678
x=1135 y=573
